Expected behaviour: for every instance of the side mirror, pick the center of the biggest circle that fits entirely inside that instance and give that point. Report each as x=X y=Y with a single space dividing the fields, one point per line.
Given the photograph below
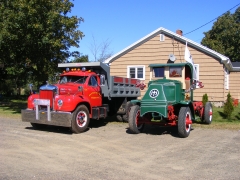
x=80 y=88
x=102 y=80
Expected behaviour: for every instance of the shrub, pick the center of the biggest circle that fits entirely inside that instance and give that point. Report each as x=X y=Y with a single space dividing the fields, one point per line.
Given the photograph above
x=228 y=107
x=204 y=99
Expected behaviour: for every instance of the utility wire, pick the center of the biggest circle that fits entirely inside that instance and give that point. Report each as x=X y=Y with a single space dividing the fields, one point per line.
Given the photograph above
x=211 y=20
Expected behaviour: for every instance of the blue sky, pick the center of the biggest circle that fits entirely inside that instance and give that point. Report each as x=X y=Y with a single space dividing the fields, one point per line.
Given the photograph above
x=123 y=22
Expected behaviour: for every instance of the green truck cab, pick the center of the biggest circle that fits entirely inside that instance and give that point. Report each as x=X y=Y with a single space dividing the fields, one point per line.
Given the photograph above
x=168 y=100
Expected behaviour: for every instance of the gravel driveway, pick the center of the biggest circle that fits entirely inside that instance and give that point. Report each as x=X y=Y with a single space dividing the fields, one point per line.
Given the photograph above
x=108 y=151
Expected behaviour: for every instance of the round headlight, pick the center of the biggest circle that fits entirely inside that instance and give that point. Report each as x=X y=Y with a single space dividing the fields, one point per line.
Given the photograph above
x=60 y=102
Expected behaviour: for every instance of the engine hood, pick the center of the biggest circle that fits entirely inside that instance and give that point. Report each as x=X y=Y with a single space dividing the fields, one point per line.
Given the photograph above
x=159 y=95
x=68 y=88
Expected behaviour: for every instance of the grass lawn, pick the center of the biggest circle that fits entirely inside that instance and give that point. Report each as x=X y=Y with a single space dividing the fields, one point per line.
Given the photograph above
x=11 y=108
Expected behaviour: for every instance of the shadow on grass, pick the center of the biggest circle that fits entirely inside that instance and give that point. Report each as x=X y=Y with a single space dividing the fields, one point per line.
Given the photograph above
x=237 y=117
x=221 y=114
x=234 y=116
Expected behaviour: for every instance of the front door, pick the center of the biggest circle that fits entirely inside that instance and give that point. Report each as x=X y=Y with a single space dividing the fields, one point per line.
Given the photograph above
x=94 y=92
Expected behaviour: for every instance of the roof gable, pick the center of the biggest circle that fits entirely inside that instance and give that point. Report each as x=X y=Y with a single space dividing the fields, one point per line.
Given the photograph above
x=222 y=59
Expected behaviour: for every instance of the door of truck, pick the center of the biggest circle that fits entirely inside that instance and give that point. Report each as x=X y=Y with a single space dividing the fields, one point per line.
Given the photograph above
x=93 y=91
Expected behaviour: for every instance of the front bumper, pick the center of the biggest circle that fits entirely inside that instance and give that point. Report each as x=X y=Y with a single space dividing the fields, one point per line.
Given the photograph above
x=48 y=118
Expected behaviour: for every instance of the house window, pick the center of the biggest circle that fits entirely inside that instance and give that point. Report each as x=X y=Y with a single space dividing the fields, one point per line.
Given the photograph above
x=137 y=72
x=196 y=66
x=162 y=37
x=158 y=72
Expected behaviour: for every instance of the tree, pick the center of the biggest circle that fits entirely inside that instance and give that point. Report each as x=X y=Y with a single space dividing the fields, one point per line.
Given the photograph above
x=100 y=51
x=204 y=99
x=224 y=35
x=35 y=35
x=228 y=107
x=82 y=58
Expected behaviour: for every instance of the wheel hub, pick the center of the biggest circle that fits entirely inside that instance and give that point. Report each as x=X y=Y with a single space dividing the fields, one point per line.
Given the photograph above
x=80 y=119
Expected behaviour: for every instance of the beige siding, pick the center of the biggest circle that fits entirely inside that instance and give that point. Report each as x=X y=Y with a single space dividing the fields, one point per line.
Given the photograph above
x=234 y=84
x=155 y=51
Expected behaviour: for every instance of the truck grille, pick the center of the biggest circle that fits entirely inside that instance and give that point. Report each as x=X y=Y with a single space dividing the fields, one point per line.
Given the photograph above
x=47 y=94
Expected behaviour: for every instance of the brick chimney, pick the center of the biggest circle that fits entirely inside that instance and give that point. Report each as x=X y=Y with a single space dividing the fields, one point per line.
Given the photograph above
x=179 y=32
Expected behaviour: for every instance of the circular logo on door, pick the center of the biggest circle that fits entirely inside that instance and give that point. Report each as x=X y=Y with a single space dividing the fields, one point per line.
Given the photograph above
x=154 y=93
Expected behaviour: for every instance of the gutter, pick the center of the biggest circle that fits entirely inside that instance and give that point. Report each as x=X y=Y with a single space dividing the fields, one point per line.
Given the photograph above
x=229 y=66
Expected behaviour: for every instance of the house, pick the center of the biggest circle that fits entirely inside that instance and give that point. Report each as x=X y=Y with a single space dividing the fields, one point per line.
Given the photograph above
x=217 y=73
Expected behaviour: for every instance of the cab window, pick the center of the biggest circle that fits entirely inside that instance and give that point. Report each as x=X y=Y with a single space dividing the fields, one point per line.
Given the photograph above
x=175 y=72
x=93 y=81
x=158 y=72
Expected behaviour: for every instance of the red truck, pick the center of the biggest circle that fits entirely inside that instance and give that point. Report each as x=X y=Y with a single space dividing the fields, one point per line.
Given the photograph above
x=84 y=91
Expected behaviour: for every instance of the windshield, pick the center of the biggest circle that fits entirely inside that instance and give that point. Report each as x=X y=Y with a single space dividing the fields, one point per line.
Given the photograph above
x=73 y=79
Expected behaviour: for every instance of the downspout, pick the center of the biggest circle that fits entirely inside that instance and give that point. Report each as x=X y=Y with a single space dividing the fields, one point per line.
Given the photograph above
x=228 y=65
x=224 y=91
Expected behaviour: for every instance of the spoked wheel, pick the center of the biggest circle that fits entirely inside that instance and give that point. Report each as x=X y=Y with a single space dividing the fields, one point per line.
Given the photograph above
x=184 y=122
x=80 y=120
x=133 y=121
x=208 y=113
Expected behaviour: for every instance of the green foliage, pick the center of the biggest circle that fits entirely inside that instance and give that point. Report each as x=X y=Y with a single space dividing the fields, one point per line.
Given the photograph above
x=224 y=35
x=205 y=99
x=228 y=107
x=35 y=35
x=83 y=58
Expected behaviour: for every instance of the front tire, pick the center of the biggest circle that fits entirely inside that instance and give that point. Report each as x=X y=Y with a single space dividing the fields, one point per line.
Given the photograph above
x=133 y=121
x=80 y=120
x=184 y=122
x=208 y=113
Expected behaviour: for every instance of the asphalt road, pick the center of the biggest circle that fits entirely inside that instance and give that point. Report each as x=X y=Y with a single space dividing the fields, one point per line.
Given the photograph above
x=109 y=151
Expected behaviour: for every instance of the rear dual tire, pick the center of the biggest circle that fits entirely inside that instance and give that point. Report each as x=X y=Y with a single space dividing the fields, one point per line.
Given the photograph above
x=207 y=116
x=124 y=118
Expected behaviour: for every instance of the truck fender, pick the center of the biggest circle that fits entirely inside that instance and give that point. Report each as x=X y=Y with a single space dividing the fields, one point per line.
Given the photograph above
x=190 y=105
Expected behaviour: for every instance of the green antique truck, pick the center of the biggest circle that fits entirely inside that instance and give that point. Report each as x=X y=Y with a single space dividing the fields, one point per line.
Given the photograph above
x=168 y=100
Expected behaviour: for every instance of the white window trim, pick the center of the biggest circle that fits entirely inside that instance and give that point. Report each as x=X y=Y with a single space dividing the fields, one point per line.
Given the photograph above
x=138 y=66
x=161 y=37
x=196 y=66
